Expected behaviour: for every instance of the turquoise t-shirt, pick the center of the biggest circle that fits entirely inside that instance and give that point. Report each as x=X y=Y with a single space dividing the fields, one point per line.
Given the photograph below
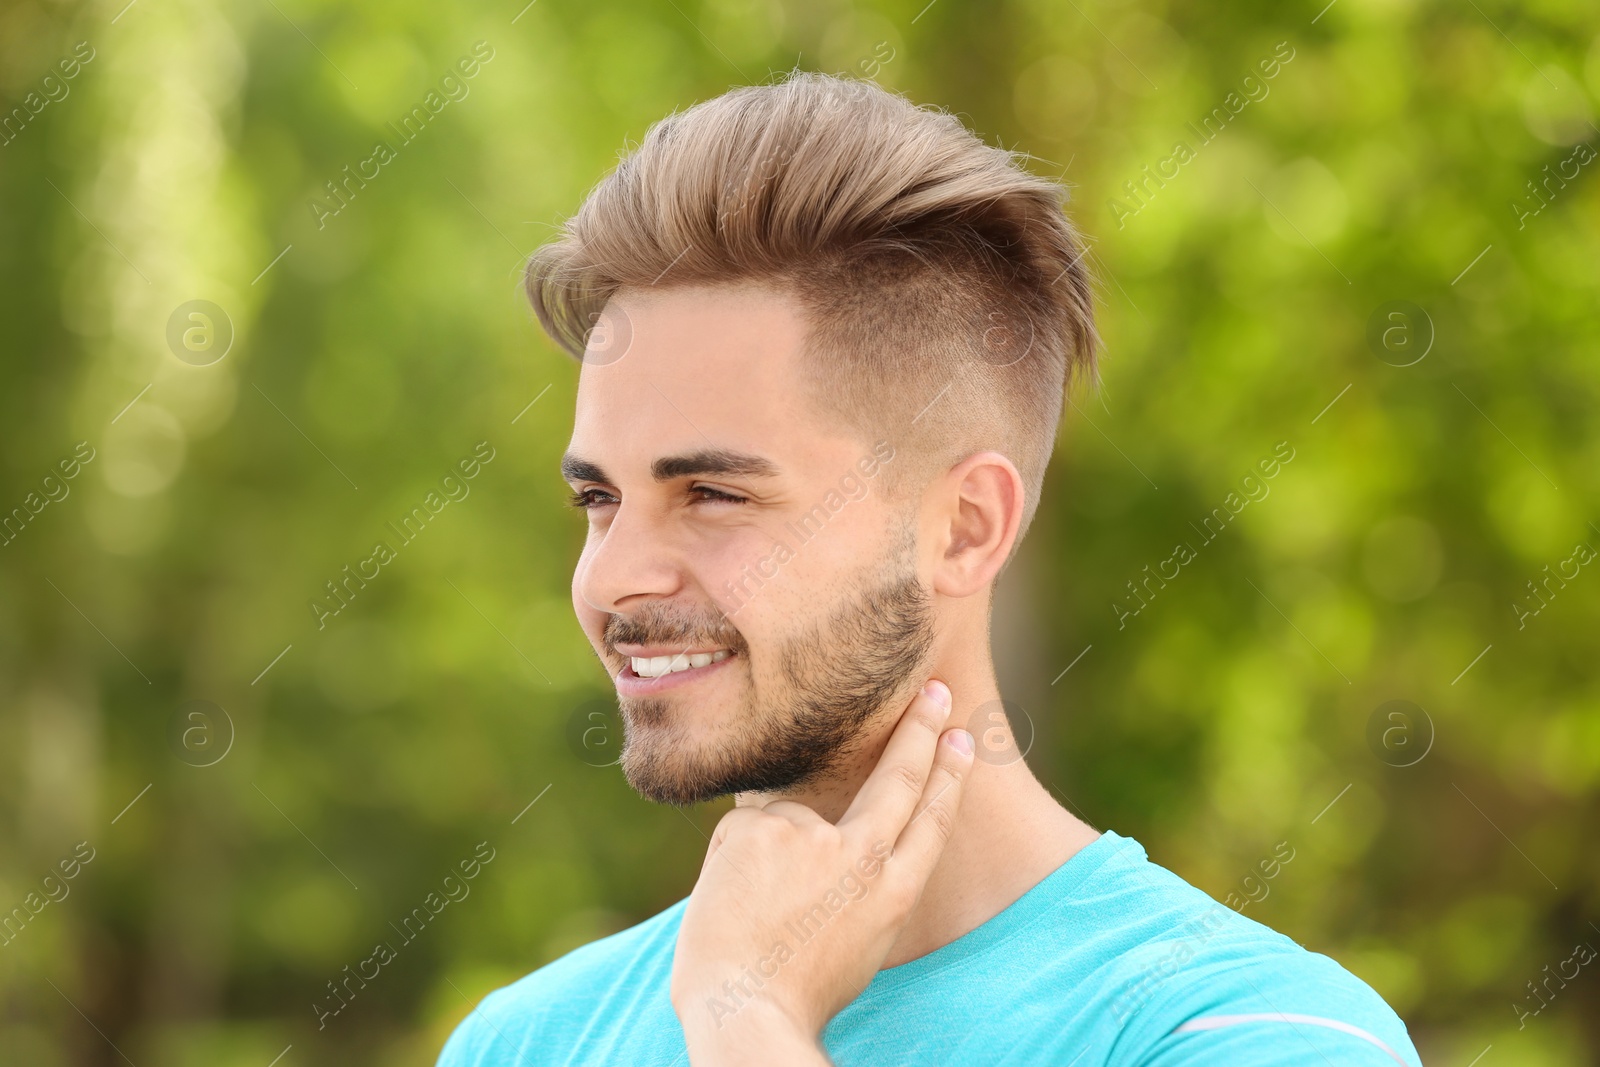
x=1110 y=959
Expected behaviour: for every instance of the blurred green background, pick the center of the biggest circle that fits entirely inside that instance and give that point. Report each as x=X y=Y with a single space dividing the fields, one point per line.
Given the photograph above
x=248 y=848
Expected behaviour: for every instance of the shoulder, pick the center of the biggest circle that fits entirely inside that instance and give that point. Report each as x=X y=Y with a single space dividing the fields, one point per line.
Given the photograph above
x=1205 y=985
x=1268 y=1008
x=533 y=1012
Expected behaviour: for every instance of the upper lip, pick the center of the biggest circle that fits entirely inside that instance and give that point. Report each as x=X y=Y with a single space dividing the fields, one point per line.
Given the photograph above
x=652 y=651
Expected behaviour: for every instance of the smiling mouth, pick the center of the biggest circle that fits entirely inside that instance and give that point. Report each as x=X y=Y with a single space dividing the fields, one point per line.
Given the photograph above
x=660 y=666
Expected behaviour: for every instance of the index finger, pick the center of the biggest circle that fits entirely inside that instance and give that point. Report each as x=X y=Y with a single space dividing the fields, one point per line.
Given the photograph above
x=929 y=830
x=886 y=799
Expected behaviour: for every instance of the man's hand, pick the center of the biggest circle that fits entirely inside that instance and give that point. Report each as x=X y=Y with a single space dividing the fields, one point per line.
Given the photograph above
x=793 y=915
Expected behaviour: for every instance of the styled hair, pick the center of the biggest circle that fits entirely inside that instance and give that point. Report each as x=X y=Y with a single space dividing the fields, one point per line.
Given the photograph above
x=947 y=305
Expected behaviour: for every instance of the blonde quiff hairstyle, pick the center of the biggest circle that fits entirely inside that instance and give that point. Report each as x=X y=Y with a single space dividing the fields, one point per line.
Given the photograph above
x=947 y=303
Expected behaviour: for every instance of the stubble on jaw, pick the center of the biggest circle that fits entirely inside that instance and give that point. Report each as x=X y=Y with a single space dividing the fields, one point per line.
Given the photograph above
x=838 y=674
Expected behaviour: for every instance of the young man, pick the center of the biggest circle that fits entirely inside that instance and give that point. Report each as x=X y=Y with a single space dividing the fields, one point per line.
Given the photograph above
x=826 y=337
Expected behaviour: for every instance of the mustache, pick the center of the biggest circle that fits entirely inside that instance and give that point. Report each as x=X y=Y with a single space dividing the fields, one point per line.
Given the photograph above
x=660 y=629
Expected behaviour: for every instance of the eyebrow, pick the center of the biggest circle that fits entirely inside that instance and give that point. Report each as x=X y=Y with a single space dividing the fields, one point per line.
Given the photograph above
x=575 y=468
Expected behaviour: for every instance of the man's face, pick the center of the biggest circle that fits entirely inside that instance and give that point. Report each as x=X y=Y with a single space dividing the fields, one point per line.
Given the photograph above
x=740 y=541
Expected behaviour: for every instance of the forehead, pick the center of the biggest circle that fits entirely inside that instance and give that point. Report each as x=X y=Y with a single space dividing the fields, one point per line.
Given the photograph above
x=694 y=367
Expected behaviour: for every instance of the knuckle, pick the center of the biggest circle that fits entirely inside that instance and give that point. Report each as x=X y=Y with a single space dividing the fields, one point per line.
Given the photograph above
x=733 y=822
x=907 y=777
x=770 y=826
x=941 y=818
x=929 y=716
x=953 y=773
x=746 y=824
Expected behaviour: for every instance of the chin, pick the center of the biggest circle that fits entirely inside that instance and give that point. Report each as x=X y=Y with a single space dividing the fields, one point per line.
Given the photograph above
x=667 y=788
x=665 y=766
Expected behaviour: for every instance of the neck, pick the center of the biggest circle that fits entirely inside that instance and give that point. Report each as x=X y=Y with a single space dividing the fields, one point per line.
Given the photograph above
x=1009 y=834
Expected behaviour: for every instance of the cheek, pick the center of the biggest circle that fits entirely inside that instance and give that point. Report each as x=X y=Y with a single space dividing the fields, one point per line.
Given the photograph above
x=736 y=568
x=783 y=571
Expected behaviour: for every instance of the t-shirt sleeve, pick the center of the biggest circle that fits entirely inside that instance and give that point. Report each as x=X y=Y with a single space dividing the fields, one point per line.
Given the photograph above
x=1282 y=1010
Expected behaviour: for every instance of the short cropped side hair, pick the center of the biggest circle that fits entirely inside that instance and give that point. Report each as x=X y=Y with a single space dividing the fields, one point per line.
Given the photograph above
x=947 y=304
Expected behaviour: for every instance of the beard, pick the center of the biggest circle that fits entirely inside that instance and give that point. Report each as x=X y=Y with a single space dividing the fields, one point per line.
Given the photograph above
x=837 y=674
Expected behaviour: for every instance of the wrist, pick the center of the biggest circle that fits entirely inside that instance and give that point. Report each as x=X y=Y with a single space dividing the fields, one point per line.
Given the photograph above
x=726 y=1031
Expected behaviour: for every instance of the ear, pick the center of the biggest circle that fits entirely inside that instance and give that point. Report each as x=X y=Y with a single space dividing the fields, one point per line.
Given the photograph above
x=982 y=500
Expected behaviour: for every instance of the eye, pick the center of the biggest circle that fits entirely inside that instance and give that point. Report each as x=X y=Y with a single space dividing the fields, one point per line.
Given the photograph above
x=585 y=499
x=717 y=494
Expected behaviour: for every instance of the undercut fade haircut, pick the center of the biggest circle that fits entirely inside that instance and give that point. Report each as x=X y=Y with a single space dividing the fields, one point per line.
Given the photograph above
x=947 y=305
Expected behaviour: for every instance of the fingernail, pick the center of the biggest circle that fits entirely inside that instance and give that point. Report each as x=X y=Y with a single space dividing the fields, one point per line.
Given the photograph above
x=961 y=741
x=937 y=692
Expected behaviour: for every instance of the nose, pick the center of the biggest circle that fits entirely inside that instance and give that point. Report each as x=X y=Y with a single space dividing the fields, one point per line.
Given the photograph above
x=631 y=559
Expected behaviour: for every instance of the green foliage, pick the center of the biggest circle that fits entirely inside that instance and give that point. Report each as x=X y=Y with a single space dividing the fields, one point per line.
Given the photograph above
x=375 y=347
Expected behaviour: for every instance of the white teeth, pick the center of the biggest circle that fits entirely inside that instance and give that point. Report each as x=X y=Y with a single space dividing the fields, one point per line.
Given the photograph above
x=656 y=666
